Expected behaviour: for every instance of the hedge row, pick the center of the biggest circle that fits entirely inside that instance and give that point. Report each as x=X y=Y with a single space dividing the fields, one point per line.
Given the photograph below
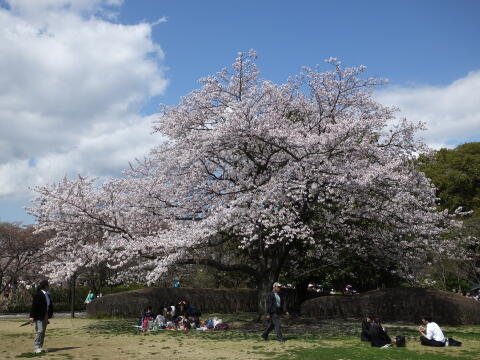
x=132 y=303
x=60 y=296
x=398 y=304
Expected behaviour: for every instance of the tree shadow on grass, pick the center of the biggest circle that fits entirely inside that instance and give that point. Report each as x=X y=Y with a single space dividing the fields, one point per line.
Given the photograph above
x=112 y=327
x=245 y=327
x=364 y=351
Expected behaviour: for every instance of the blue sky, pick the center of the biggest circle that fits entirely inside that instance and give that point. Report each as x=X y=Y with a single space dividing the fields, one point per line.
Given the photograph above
x=410 y=42
x=82 y=79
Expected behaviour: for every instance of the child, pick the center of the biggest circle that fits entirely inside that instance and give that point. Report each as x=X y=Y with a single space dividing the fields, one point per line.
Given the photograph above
x=147 y=316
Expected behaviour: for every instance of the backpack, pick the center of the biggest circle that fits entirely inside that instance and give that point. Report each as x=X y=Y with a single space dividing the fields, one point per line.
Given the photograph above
x=453 y=342
x=400 y=341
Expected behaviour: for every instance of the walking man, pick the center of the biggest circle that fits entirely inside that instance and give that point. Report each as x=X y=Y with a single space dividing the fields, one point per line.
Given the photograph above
x=41 y=311
x=275 y=307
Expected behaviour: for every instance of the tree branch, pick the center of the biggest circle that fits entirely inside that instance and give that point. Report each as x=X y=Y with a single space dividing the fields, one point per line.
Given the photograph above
x=220 y=266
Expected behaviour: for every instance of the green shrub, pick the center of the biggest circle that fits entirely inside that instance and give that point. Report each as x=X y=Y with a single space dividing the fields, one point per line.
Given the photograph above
x=61 y=296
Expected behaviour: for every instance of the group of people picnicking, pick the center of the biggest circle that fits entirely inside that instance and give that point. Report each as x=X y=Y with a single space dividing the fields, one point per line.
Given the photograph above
x=183 y=316
x=468 y=294
x=316 y=288
x=430 y=334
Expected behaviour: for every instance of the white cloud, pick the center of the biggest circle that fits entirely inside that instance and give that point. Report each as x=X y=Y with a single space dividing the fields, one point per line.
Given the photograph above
x=451 y=113
x=99 y=154
x=71 y=86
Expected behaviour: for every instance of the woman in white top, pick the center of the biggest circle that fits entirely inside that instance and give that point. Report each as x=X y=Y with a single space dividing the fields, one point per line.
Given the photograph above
x=431 y=334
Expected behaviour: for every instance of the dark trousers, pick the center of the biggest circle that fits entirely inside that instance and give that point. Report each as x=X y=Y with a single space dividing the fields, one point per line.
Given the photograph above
x=426 y=342
x=273 y=322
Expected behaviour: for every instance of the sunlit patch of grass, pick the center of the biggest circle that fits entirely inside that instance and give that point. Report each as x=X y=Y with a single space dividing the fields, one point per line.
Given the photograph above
x=307 y=338
x=365 y=351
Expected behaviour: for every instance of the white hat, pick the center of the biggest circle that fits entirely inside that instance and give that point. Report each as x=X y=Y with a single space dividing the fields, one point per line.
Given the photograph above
x=277 y=284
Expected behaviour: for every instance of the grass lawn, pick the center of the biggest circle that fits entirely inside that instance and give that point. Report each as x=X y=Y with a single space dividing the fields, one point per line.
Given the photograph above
x=117 y=339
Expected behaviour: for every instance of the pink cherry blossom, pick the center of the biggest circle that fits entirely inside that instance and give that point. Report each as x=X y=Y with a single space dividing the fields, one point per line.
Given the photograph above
x=314 y=163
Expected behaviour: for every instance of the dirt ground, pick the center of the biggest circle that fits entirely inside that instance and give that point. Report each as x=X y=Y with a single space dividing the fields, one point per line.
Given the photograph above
x=110 y=339
x=93 y=339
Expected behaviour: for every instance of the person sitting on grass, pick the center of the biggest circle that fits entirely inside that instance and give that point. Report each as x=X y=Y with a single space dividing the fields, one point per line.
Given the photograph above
x=169 y=312
x=377 y=334
x=147 y=316
x=431 y=334
x=184 y=308
x=183 y=323
x=188 y=311
x=364 y=335
x=183 y=311
x=160 y=321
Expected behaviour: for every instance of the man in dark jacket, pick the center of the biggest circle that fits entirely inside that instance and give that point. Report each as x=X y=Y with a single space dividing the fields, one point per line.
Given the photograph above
x=275 y=307
x=378 y=336
x=41 y=311
x=366 y=323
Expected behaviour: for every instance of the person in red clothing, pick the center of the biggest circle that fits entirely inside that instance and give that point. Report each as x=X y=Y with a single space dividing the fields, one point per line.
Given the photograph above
x=147 y=316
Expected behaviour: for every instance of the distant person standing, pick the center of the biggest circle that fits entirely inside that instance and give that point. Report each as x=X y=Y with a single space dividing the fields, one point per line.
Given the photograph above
x=41 y=311
x=275 y=307
x=90 y=297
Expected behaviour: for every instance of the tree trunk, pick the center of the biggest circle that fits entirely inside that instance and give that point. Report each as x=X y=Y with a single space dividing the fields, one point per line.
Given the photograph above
x=72 y=295
x=273 y=259
x=301 y=290
x=264 y=287
x=92 y=282
x=444 y=280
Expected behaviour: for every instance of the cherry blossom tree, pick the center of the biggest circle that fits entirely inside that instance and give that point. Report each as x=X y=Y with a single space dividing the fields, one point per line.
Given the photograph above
x=21 y=256
x=269 y=174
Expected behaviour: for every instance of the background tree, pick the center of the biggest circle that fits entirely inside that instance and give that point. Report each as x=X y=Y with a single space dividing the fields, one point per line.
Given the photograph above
x=252 y=177
x=363 y=272
x=21 y=257
x=456 y=175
